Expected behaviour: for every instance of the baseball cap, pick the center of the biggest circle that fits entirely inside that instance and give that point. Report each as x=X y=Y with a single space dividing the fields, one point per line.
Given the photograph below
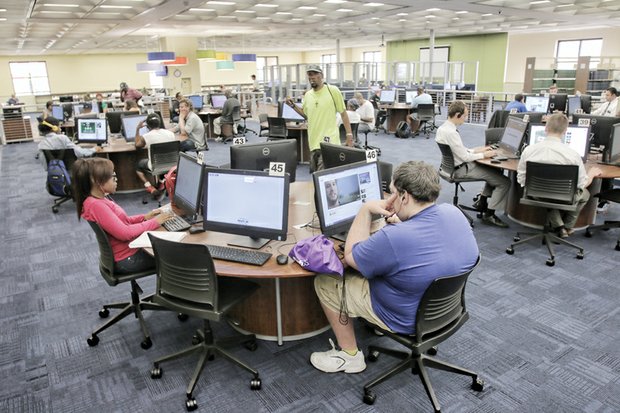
x=314 y=68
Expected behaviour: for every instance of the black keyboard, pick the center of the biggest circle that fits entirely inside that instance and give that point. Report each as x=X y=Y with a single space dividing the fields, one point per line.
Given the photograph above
x=238 y=255
x=176 y=224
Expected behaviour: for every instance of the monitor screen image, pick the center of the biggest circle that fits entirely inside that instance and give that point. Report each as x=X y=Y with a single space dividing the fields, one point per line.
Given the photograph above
x=94 y=106
x=340 y=192
x=576 y=137
x=410 y=95
x=574 y=103
x=600 y=127
x=537 y=103
x=92 y=131
x=289 y=113
x=387 y=96
x=77 y=109
x=196 y=100
x=613 y=154
x=338 y=155
x=557 y=102
x=252 y=204
x=257 y=156
x=130 y=123
x=188 y=185
x=217 y=101
x=513 y=134
x=57 y=112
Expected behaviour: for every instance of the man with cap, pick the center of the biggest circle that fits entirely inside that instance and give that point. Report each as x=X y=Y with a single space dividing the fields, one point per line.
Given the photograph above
x=320 y=105
x=129 y=93
x=156 y=134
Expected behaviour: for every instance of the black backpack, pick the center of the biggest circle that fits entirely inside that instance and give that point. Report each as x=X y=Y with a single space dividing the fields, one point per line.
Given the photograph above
x=403 y=130
x=58 y=179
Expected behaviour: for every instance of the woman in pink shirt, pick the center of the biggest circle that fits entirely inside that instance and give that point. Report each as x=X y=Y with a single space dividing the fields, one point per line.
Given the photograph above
x=93 y=180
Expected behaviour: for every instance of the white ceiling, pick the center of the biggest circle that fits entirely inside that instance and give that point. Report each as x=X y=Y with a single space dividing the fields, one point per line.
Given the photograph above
x=116 y=26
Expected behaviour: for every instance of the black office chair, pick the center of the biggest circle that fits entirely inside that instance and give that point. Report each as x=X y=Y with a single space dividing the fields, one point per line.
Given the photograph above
x=163 y=157
x=612 y=195
x=550 y=187
x=187 y=282
x=264 y=123
x=343 y=134
x=277 y=128
x=499 y=118
x=493 y=135
x=135 y=306
x=446 y=172
x=228 y=128
x=68 y=158
x=385 y=170
x=426 y=115
x=440 y=314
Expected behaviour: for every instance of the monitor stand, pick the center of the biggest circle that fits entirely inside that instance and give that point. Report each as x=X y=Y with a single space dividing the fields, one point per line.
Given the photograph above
x=341 y=236
x=248 y=242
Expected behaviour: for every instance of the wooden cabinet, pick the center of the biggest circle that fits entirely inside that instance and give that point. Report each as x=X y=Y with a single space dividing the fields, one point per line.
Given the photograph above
x=16 y=127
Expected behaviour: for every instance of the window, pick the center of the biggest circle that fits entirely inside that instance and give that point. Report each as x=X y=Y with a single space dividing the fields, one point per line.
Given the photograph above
x=330 y=59
x=569 y=51
x=157 y=82
x=373 y=57
x=441 y=56
x=30 y=78
x=261 y=63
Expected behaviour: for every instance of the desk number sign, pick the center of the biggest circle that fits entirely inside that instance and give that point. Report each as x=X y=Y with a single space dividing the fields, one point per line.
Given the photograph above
x=579 y=111
x=238 y=140
x=371 y=155
x=526 y=118
x=513 y=111
x=584 y=122
x=277 y=168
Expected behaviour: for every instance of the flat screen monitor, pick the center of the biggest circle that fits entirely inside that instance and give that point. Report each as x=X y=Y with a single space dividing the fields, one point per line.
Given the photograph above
x=576 y=137
x=513 y=135
x=252 y=204
x=557 y=102
x=338 y=155
x=340 y=192
x=114 y=120
x=196 y=100
x=130 y=123
x=574 y=103
x=586 y=103
x=533 y=117
x=92 y=130
x=188 y=185
x=77 y=109
x=410 y=95
x=64 y=99
x=600 y=126
x=217 y=101
x=257 y=156
x=57 y=112
x=537 y=103
x=289 y=114
x=613 y=153
x=67 y=111
x=94 y=106
x=387 y=96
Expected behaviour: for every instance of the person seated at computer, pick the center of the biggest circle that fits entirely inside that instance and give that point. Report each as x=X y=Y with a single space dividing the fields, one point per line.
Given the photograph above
x=366 y=112
x=101 y=105
x=13 y=100
x=47 y=111
x=231 y=104
x=190 y=128
x=517 y=104
x=156 y=134
x=128 y=93
x=395 y=264
x=49 y=128
x=610 y=106
x=553 y=89
x=381 y=113
x=494 y=194
x=553 y=151
x=131 y=106
x=175 y=107
x=352 y=107
x=93 y=180
x=424 y=99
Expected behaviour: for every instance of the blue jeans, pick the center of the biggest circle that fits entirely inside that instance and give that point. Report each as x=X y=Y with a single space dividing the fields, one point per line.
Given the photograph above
x=140 y=261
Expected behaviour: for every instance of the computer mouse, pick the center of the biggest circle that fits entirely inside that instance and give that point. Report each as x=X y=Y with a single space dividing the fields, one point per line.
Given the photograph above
x=282 y=259
x=196 y=230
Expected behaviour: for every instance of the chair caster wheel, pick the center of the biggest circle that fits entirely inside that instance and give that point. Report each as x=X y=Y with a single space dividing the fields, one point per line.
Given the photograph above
x=510 y=251
x=369 y=398
x=191 y=404
x=104 y=313
x=156 y=373
x=477 y=384
x=196 y=339
x=373 y=356
x=55 y=209
x=550 y=262
x=251 y=345
x=144 y=202
x=588 y=234
x=618 y=246
x=479 y=215
x=146 y=344
x=432 y=351
x=516 y=239
x=92 y=340
x=580 y=255
x=182 y=317
x=255 y=384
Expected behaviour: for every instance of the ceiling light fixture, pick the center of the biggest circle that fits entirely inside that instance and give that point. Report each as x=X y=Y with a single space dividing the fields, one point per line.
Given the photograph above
x=159 y=57
x=108 y=6
x=371 y=4
x=54 y=5
x=265 y=5
x=201 y=10
x=540 y=1
x=221 y=3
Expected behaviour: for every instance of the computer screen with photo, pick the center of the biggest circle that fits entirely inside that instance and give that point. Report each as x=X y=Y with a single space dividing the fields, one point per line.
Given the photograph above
x=188 y=185
x=130 y=123
x=252 y=204
x=217 y=101
x=410 y=95
x=338 y=155
x=92 y=130
x=290 y=114
x=340 y=192
x=537 y=103
x=258 y=156
x=577 y=137
x=513 y=135
x=387 y=96
x=196 y=100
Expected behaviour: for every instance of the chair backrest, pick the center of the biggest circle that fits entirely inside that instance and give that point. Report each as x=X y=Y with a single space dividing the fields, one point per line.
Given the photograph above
x=446 y=168
x=493 y=135
x=164 y=156
x=343 y=132
x=551 y=183
x=442 y=307
x=277 y=127
x=263 y=117
x=106 y=255
x=426 y=111
x=236 y=115
x=67 y=156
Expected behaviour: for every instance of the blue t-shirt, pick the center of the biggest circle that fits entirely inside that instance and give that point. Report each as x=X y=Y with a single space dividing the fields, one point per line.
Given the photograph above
x=520 y=106
x=401 y=260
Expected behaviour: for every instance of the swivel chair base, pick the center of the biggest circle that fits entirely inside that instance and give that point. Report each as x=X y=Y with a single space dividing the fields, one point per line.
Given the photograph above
x=607 y=225
x=367 y=146
x=548 y=239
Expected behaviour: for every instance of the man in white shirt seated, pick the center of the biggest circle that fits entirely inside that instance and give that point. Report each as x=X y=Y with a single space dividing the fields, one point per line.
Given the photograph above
x=354 y=117
x=610 y=106
x=156 y=134
x=366 y=111
x=422 y=98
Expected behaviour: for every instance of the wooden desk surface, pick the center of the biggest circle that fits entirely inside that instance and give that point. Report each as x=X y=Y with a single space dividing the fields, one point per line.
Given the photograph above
x=397 y=105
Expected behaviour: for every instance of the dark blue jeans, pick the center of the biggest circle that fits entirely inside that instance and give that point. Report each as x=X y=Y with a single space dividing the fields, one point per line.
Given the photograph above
x=140 y=261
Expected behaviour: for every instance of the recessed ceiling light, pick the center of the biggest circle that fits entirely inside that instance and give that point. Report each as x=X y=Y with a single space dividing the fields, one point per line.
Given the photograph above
x=111 y=13
x=336 y=1
x=223 y=3
x=284 y=12
x=456 y=18
x=540 y=1
x=402 y=20
x=373 y=4
x=307 y=8
x=1 y=10
x=297 y=19
x=57 y=5
x=430 y=16
x=201 y=10
x=54 y=11
x=226 y=17
x=487 y=14
x=374 y=18
x=107 y=6
x=565 y=5
x=265 y=5
x=462 y=12
x=345 y=10
x=403 y=14
x=245 y=11
x=318 y=15
x=263 y=18
x=2 y=19
x=433 y=9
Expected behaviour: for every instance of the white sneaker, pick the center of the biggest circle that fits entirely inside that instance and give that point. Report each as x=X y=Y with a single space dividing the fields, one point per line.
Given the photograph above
x=334 y=360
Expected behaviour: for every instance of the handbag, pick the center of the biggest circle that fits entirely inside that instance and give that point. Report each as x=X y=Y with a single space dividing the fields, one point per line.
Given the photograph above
x=317 y=254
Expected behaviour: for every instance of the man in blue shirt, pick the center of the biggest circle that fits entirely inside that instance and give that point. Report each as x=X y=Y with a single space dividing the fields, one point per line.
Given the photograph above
x=517 y=104
x=396 y=264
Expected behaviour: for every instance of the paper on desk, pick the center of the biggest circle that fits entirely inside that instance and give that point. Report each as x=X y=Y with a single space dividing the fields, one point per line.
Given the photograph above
x=143 y=240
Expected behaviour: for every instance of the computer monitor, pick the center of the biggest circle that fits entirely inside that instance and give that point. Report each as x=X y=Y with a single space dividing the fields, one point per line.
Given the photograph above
x=537 y=103
x=114 y=120
x=188 y=185
x=94 y=106
x=574 y=103
x=387 y=96
x=289 y=114
x=586 y=103
x=57 y=112
x=576 y=137
x=257 y=156
x=613 y=153
x=64 y=99
x=601 y=127
x=533 y=117
x=92 y=130
x=410 y=95
x=196 y=100
x=557 y=102
x=217 y=101
x=340 y=192
x=67 y=111
x=252 y=204
x=130 y=123
x=338 y=155
x=513 y=135
x=77 y=109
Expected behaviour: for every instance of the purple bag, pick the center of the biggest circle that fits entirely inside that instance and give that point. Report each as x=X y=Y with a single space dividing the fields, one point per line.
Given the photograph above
x=317 y=254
